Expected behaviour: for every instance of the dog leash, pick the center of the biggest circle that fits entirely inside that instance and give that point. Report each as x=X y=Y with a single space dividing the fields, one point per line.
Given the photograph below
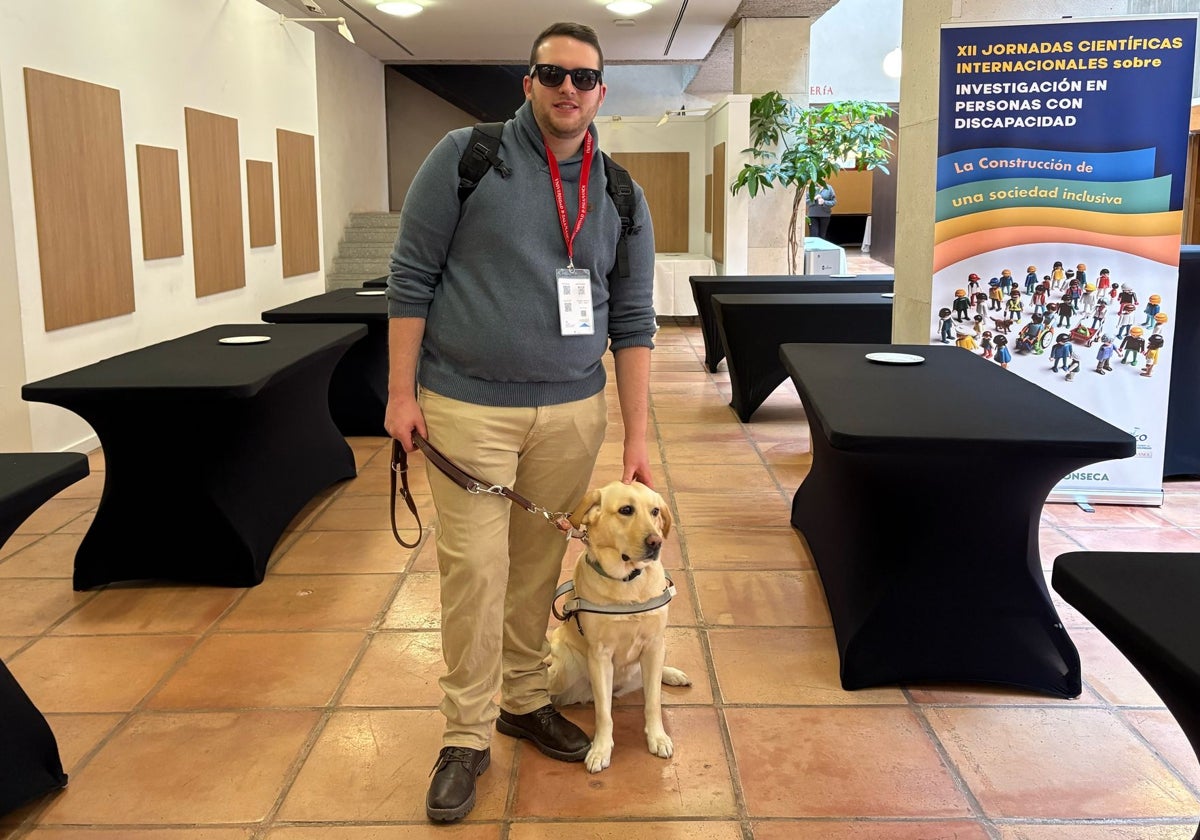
x=464 y=480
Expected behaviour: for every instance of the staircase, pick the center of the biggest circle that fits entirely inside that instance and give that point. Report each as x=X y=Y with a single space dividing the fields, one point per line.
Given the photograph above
x=364 y=251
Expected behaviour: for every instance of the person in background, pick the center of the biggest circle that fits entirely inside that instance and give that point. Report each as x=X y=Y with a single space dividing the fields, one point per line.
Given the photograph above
x=819 y=210
x=507 y=303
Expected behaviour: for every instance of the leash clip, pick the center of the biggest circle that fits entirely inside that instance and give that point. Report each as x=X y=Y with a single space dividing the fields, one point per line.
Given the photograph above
x=494 y=490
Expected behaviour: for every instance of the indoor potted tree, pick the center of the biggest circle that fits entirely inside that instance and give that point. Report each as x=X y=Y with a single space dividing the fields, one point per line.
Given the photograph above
x=802 y=148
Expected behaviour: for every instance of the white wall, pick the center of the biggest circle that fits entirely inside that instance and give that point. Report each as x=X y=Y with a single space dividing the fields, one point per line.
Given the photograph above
x=352 y=131
x=416 y=121
x=231 y=57
x=649 y=89
x=14 y=417
x=848 y=44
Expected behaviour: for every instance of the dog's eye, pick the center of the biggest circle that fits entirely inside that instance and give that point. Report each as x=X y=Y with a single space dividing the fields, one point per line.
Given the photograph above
x=654 y=512
x=625 y=510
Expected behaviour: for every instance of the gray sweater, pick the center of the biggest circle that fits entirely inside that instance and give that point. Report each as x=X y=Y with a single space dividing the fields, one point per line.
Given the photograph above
x=485 y=280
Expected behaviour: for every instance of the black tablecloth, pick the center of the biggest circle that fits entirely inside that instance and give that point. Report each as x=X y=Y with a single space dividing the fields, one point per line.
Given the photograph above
x=358 y=389
x=1145 y=604
x=1182 y=445
x=29 y=762
x=921 y=511
x=752 y=327
x=29 y=479
x=210 y=449
x=704 y=287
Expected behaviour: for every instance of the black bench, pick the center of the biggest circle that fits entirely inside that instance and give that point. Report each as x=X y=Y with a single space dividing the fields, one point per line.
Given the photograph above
x=29 y=479
x=1145 y=603
x=703 y=289
x=752 y=328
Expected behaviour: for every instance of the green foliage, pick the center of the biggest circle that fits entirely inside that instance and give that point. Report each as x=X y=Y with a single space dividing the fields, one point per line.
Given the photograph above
x=802 y=148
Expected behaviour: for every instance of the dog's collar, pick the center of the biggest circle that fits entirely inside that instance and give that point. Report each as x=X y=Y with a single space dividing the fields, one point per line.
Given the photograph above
x=600 y=570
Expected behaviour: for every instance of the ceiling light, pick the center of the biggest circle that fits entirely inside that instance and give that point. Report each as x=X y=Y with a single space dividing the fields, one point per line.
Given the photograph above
x=401 y=9
x=891 y=64
x=628 y=7
x=624 y=22
x=342 y=29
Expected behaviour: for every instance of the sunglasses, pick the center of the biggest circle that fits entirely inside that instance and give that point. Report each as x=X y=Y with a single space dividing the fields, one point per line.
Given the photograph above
x=551 y=75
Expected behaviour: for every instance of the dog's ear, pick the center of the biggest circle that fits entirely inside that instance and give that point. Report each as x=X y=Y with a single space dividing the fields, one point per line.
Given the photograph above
x=667 y=519
x=580 y=516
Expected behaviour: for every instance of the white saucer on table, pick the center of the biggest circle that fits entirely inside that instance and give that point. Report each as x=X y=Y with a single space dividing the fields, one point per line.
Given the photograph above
x=244 y=339
x=895 y=358
x=887 y=294
x=842 y=276
x=371 y=292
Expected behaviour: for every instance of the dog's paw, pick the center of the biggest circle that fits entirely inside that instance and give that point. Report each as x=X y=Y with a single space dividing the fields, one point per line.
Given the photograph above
x=598 y=757
x=660 y=744
x=673 y=676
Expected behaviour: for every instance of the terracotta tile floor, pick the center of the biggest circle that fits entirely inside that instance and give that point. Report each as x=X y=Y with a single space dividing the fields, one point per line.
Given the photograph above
x=306 y=708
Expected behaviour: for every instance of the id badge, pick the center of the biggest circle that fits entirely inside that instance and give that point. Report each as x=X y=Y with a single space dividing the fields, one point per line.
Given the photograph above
x=575 y=301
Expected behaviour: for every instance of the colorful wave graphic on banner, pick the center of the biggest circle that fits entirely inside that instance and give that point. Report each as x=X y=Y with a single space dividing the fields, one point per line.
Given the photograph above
x=971 y=165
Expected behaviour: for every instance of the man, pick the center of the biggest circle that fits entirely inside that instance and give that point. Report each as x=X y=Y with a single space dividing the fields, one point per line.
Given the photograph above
x=506 y=302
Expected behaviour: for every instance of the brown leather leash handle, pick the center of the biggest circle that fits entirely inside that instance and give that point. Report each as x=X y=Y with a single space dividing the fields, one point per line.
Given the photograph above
x=456 y=474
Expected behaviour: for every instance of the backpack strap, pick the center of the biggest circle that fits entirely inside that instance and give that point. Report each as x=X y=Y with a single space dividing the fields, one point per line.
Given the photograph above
x=482 y=154
x=620 y=190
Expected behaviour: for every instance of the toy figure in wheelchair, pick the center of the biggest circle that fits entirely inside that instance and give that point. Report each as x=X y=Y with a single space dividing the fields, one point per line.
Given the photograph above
x=1035 y=336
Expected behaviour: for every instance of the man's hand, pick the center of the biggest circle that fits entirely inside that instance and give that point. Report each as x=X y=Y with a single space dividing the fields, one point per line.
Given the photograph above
x=402 y=418
x=636 y=463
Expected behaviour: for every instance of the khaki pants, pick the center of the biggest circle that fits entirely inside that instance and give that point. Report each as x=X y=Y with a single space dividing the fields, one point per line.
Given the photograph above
x=499 y=563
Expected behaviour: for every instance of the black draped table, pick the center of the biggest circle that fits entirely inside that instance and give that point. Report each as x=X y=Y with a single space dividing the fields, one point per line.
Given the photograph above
x=358 y=390
x=921 y=512
x=210 y=449
x=29 y=479
x=1145 y=604
x=752 y=328
x=705 y=286
x=29 y=762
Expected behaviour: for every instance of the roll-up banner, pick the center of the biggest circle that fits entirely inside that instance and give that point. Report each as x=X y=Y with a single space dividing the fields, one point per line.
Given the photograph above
x=1060 y=184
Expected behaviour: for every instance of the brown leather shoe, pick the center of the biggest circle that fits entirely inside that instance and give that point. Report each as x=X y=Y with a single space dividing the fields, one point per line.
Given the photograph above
x=550 y=732
x=452 y=791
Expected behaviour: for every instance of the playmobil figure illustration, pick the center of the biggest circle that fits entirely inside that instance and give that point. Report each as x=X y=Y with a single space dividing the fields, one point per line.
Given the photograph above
x=1058 y=277
x=1006 y=280
x=1061 y=352
x=1102 y=283
x=1126 y=294
x=1132 y=346
x=1153 y=307
x=995 y=294
x=1071 y=367
x=1081 y=274
x=1099 y=313
x=1065 y=310
x=1125 y=319
x=961 y=305
x=945 y=324
x=1160 y=321
x=972 y=285
x=985 y=342
x=1014 y=306
x=1038 y=301
x=981 y=304
x=1031 y=279
x=1034 y=335
x=1087 y=302
x=1104 y=355
x=1003 y=354
x=965 y=340
x=977 y=326
x=1153 y=347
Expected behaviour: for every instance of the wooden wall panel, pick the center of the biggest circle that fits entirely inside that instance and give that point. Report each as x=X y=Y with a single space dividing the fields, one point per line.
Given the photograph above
x=215 y=182
x=719 y=188
x=162 y=208
x=663 y=177
x=260 y=202
x=80 y=198
x=708 y=204
x=299 y=233
x=853 y=189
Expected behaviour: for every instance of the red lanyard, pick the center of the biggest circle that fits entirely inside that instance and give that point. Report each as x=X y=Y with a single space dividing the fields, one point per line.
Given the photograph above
x=585 y=173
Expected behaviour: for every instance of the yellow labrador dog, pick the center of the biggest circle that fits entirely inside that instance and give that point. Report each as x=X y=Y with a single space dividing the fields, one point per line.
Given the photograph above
x=600 y=655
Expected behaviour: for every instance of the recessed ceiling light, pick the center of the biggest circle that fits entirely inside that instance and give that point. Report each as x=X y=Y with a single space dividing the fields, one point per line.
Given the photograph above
x=629 y=7
x=400 y=9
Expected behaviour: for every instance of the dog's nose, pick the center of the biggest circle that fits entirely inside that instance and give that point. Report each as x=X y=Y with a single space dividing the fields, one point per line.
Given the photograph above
x=654 y=541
